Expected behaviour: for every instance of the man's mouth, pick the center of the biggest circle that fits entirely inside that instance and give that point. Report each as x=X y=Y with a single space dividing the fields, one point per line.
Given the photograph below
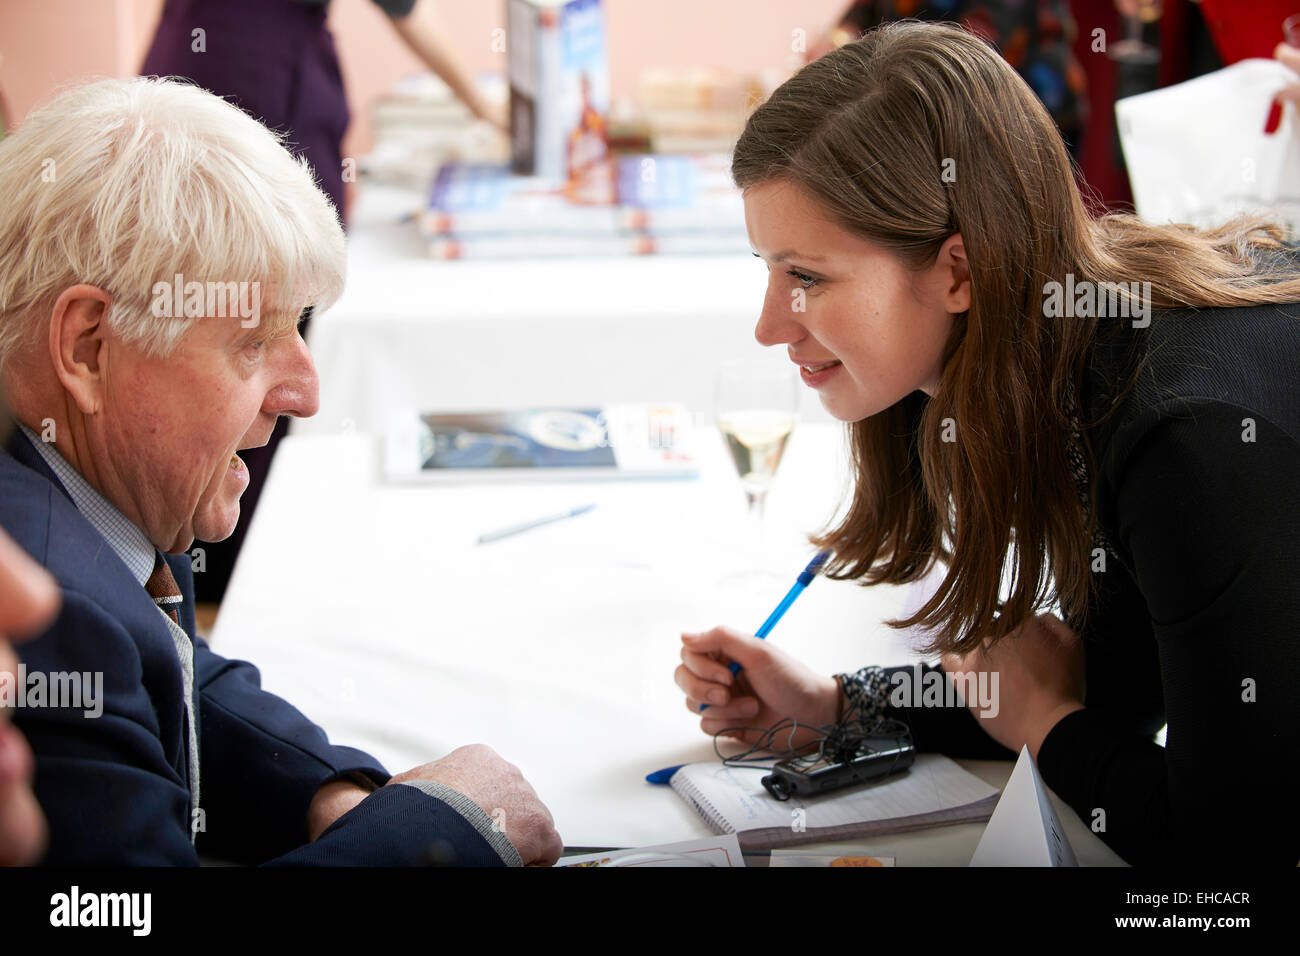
x=235 y=460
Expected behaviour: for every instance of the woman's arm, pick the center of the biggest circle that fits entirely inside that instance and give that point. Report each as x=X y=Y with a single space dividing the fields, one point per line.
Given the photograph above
x=424 y=34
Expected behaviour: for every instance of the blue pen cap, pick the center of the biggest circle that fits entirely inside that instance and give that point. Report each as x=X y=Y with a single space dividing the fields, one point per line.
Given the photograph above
x=814 y=566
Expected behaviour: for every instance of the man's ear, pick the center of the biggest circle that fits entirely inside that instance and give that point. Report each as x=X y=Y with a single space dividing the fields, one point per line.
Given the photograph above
x=79 y=343
x=952 y=255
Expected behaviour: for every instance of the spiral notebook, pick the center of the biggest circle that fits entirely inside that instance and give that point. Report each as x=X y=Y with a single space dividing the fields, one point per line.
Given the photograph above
x=934 y=792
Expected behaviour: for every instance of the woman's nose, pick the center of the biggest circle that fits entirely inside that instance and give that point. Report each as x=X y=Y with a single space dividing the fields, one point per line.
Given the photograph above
x=778 y=323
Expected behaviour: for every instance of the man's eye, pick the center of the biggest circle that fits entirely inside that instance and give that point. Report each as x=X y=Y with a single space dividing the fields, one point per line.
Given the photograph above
x=256 y=346
x=806 y=280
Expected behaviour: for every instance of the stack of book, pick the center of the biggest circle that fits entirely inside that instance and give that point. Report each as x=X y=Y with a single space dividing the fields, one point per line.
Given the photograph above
x=419 y=125
x=641 y=204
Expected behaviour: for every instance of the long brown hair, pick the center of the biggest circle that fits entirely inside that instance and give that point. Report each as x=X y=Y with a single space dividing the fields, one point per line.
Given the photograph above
x=913 y=133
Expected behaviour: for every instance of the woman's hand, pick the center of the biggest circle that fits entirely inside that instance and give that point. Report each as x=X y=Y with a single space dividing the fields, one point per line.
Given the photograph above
x=1040 y=668
x=772 y=686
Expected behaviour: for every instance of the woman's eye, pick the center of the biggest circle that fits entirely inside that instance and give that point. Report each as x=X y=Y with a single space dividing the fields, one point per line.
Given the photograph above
x=256 y=346
x=806 y=280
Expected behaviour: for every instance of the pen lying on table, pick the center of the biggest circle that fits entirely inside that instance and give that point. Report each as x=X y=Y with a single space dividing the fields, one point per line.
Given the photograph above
x=530 y=525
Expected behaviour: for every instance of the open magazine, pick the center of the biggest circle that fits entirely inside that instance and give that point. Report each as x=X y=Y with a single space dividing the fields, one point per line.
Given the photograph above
x=617 y=441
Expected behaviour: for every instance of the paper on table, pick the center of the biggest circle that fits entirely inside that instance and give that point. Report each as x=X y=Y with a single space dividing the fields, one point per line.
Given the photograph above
x=1024 y=829
x=732 y=799
x=709 y=851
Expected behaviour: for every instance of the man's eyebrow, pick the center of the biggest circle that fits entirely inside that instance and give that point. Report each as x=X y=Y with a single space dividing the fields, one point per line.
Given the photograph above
x=248 y=335
x=792 y=254
x=281 y=329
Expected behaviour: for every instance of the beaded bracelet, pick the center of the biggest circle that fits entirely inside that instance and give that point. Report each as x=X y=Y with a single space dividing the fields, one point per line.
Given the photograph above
x=867 y=691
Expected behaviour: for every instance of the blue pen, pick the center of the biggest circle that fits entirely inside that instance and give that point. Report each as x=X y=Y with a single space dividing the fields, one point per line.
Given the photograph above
x=804 y=579
x=530 y=525
x=664 y=775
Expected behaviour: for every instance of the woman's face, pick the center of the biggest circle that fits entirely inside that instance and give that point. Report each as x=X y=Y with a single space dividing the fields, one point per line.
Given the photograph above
x=865 y=331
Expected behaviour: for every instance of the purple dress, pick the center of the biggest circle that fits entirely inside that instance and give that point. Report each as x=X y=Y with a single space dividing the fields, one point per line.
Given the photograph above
x=272 y=58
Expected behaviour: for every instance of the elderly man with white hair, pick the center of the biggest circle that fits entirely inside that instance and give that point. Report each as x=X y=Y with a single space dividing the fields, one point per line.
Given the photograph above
x=157 y=250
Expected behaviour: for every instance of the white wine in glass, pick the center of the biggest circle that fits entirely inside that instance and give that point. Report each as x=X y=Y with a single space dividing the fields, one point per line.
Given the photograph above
x=757 y=402
x=756 y=439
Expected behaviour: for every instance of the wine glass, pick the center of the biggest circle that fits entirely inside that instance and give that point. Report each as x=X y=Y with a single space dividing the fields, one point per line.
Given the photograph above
x=1136 y=15
x=756 y=403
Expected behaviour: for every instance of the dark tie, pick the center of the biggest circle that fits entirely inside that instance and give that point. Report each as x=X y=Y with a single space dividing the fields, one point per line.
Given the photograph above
x=167 y=595
x=163 y=589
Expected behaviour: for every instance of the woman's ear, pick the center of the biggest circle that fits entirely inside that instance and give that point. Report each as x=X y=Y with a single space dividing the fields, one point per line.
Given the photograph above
x=956 y=273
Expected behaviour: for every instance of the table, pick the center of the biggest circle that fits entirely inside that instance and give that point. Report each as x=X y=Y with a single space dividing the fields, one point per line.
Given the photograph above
x=371 y=608
x=411 y=332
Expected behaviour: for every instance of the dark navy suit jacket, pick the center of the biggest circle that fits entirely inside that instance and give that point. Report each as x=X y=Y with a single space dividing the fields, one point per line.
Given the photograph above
x=114 y=788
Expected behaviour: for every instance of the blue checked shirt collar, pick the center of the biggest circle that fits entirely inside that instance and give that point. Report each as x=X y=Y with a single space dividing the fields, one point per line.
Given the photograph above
x=130 y=543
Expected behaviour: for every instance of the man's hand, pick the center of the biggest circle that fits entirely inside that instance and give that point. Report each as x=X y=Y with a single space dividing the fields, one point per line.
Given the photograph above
x=1040 y=669
x=332 y=800
x=503 y=793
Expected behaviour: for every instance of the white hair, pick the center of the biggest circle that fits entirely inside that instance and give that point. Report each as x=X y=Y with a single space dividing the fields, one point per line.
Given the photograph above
x=125 y=183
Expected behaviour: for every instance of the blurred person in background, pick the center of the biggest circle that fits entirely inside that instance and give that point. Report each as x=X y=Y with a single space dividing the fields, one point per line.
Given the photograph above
x=1073 y=57
x=275 y=60
x=1034 y=36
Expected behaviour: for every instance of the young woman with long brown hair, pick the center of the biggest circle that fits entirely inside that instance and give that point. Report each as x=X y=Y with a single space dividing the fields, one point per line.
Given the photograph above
x=1104 y=414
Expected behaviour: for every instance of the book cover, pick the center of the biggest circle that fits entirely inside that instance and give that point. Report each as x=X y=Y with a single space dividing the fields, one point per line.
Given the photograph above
x=612 y=442
x=559 y=90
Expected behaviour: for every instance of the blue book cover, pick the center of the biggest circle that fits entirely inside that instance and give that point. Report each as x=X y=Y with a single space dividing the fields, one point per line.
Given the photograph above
x=553 y=438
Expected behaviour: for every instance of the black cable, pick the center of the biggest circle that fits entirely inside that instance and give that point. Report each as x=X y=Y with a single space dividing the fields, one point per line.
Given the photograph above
x=836 y=743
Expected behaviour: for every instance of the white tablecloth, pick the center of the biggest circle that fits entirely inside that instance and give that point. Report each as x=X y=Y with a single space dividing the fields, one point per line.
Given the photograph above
x=372 y=609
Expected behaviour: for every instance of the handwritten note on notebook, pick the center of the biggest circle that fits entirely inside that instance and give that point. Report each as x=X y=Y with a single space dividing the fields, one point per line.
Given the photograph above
x=934 y=792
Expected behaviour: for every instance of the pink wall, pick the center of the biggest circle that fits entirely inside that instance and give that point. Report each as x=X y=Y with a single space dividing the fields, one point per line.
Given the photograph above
x=48 y=44
x=45 y=44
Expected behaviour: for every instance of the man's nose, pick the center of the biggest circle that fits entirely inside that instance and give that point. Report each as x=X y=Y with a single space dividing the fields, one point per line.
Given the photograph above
x=297 y=392
x=778 y=323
